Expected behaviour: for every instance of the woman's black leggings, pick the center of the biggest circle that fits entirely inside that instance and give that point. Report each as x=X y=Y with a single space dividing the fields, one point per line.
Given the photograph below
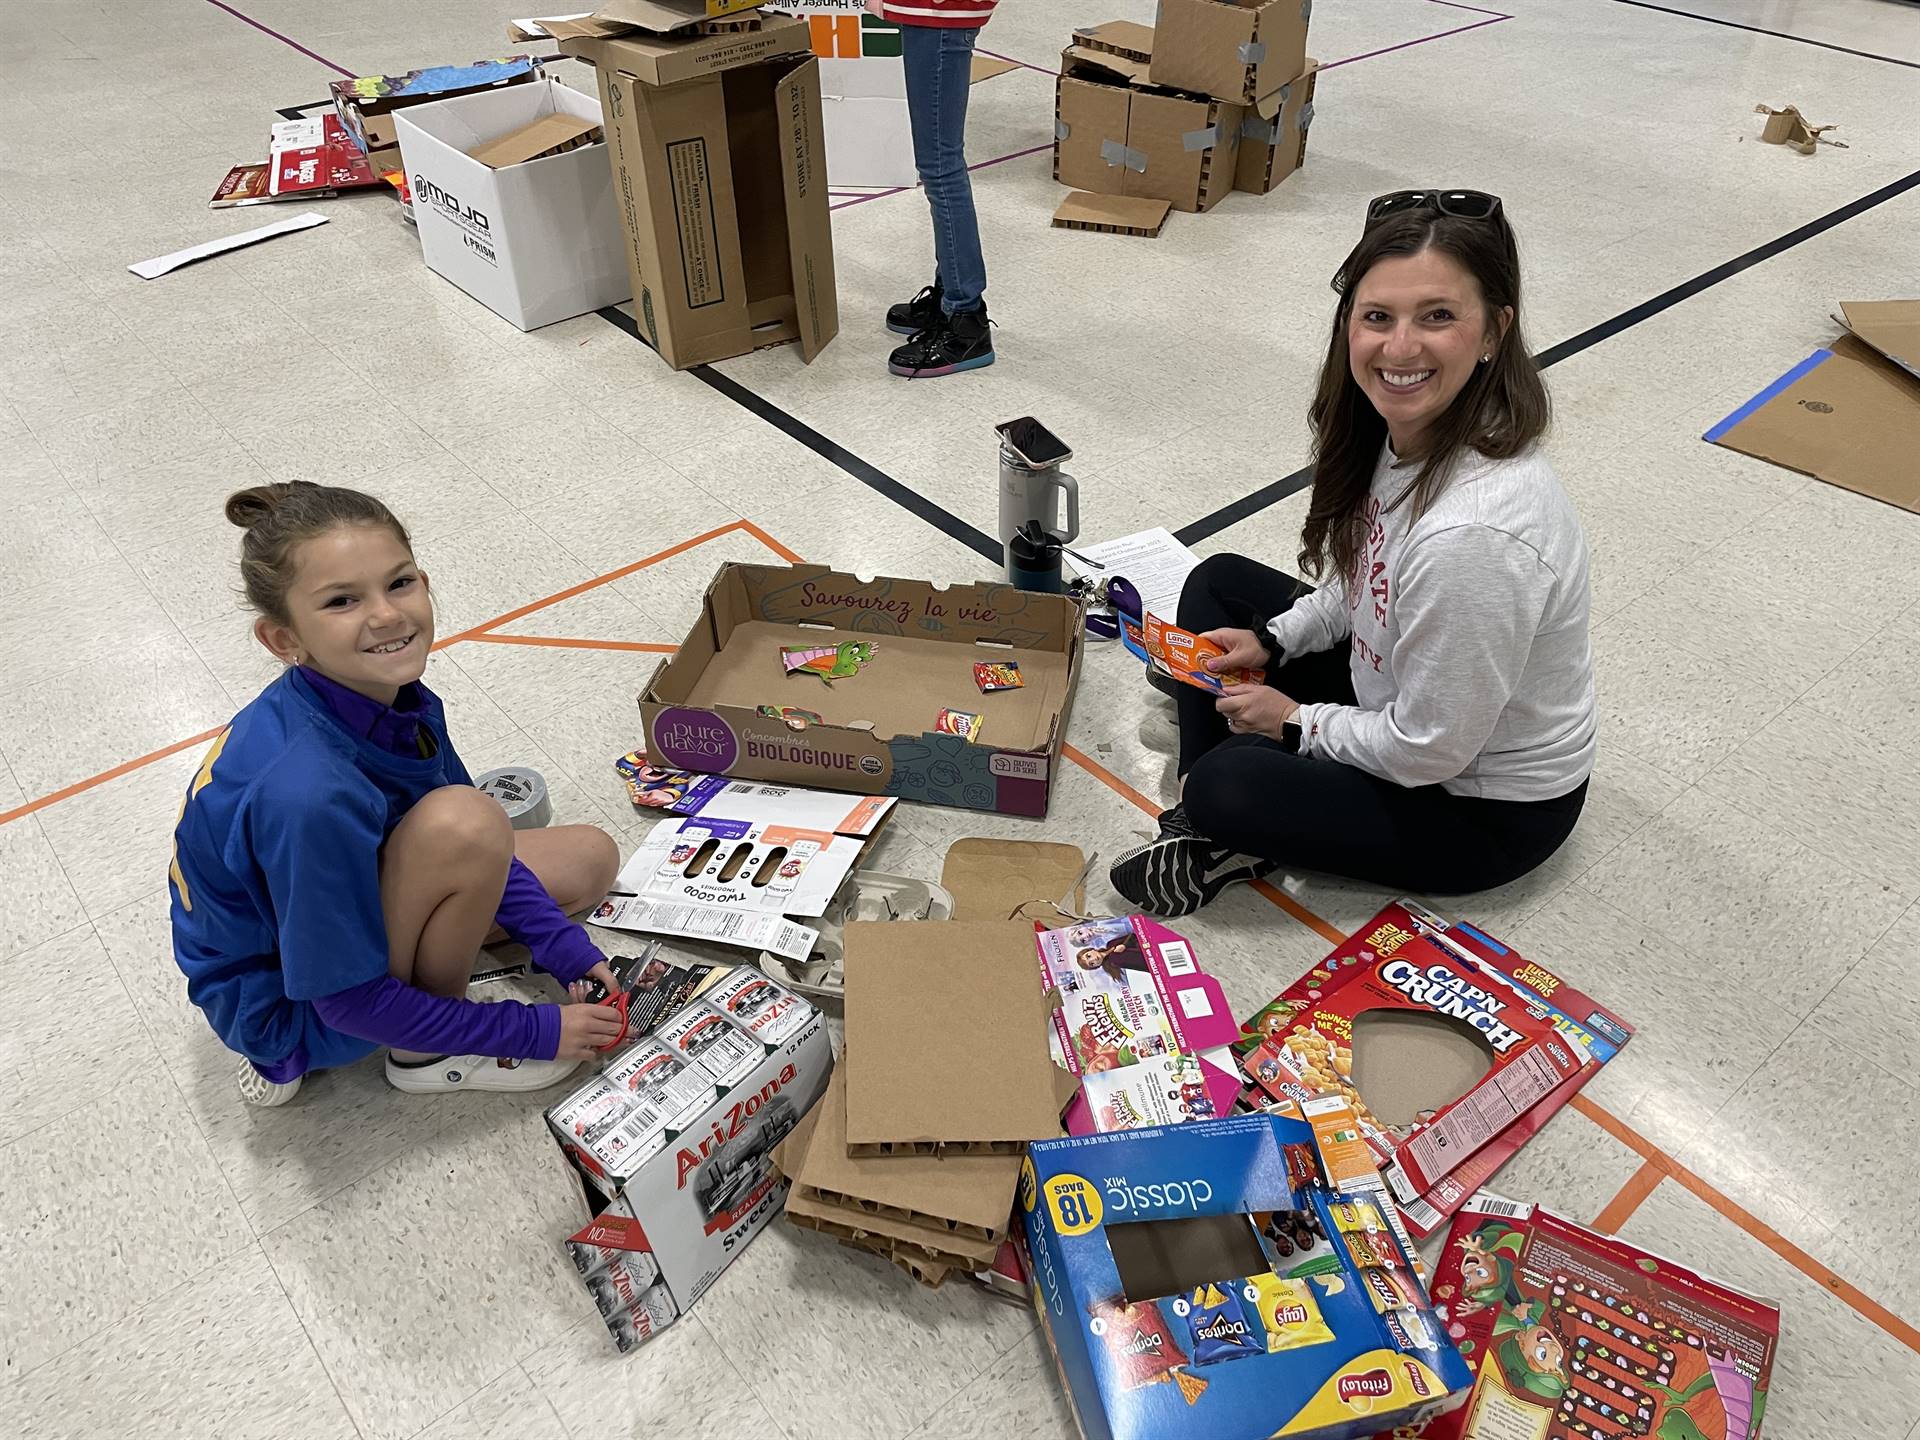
x=1244 y=791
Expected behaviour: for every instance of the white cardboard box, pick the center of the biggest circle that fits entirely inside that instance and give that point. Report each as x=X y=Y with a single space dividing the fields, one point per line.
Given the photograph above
x=535 y=243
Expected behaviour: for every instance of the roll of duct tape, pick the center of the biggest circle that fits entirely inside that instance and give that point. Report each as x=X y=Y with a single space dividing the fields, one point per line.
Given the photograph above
x=522 y=793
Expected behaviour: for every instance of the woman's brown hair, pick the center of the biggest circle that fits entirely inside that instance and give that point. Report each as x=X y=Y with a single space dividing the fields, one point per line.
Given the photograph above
x=279 y=517
x=1501 y=411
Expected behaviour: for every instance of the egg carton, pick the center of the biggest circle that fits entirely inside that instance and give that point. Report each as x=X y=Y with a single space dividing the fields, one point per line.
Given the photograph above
x=867 y=895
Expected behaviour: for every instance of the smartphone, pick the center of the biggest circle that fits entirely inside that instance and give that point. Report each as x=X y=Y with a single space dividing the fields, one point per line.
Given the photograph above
x=1033 y=442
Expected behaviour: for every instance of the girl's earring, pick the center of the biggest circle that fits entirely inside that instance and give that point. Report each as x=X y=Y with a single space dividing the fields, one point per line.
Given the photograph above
x=1484 y=359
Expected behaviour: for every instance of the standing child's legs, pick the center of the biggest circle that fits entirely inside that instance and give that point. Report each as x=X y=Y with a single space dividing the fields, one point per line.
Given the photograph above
x=939 y=66
x=442 y=872
x=957 y=336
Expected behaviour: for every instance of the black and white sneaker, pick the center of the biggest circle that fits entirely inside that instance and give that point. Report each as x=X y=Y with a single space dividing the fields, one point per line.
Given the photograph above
x=1179 y=871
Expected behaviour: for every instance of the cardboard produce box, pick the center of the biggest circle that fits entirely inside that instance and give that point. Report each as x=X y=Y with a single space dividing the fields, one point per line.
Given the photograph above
x=720 y=174
x=1117 y=133
x=672 y=1144
x=1273 y=137
x=1849 y=414
x=1199 y=1281
x=367 y=106
x=1235 y=50
x=877 y=734
x=535 y=240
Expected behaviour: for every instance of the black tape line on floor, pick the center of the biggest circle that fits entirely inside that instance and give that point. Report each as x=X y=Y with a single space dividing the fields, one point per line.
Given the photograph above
x=869 y=475
x=1250 y=505
x=1776 y=34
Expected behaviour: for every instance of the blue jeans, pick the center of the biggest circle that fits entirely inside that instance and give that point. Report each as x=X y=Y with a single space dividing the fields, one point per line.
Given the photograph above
x=939 y=62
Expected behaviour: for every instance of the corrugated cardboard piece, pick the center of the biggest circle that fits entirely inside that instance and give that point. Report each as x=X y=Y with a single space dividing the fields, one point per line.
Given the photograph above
x=549 y=135
x=1790 y=128
x=618 y=17
x=1112 y=214
x=1848 y=415
x=947 y=1039
x=1016 y=880
x=1235 y=50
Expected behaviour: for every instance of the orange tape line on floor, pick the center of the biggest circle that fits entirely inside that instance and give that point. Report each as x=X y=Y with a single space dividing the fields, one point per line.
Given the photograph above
x=80 y=787
x=534 y=606
x=1849 y=1295
x=1632 y=1195
x=562 y=642
x=476 y=633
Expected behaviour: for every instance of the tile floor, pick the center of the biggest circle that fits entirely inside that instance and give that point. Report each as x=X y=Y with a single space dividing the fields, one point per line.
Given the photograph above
x=367 y=1264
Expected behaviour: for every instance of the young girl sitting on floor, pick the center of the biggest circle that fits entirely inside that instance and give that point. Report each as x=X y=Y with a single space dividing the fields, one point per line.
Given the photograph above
x=335 y=873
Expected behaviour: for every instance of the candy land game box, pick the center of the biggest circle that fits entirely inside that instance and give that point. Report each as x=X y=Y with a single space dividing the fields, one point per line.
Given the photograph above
x=1579 y=1336
x=1449 y=1089
x=1201 y=1281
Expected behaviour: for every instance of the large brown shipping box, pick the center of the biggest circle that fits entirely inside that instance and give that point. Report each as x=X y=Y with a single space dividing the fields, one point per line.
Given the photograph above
x=1236 y=50
x=720 y=175
x=1115 y=134
x=702 y=712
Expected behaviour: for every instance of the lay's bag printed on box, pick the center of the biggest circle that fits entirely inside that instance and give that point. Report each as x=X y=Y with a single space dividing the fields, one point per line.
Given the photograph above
x=1202 y=1281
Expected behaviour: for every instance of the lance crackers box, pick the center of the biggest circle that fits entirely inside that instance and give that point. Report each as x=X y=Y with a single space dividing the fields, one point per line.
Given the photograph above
x=672 y=1143
x=876 y=733
x=1202 y=1281
x=1441 y=1091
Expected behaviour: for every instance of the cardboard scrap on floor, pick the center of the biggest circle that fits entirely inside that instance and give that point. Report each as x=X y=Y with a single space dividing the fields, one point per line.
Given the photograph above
x=161 y=265
x=1790 y=128
x=1849 y=414
x=1112 y=214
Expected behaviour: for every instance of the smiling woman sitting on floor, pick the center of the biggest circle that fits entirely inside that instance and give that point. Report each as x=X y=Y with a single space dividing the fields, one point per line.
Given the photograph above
x=1427 y=721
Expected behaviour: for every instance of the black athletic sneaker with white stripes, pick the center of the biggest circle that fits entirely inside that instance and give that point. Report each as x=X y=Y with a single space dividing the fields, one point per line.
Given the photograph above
x=1180 y=870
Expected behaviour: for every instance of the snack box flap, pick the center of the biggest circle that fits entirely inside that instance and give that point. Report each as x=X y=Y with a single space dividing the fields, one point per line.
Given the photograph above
x=947 y=1035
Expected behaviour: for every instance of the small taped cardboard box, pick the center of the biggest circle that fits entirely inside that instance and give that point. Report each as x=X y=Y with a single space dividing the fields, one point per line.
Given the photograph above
x=1849 y=414
x=1116 y=132
x=720 y=177
x=536 y=240
x=1273 y=137
x=672 y=1142
x=877 y=736
x=1202 y=1282
x=1238 y=50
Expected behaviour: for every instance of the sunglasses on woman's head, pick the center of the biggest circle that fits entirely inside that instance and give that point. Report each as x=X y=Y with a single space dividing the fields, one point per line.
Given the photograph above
x=1460 y=204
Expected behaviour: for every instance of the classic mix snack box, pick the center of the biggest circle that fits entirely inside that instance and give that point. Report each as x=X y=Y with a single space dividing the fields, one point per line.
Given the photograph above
x=1300 y=1045
x=1201 y=1281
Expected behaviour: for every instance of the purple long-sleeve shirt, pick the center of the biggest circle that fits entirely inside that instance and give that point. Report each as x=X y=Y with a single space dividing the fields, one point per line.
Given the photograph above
x=394 y=1013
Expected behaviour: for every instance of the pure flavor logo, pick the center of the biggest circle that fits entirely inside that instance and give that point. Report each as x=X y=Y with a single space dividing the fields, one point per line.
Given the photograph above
x=1372 y=1385
x=695 y=740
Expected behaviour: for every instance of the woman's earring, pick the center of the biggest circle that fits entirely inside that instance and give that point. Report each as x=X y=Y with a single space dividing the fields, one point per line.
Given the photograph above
x=1484 y=359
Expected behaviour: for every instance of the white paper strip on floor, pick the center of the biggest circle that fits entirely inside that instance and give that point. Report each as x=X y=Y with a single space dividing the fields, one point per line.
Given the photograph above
x=154 y=269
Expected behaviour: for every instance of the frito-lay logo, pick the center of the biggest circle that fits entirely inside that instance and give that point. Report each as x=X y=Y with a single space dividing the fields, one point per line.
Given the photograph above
x=725 y=1127
x=1446 y=993
x=1373 y=1385
x=1417 y=1381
